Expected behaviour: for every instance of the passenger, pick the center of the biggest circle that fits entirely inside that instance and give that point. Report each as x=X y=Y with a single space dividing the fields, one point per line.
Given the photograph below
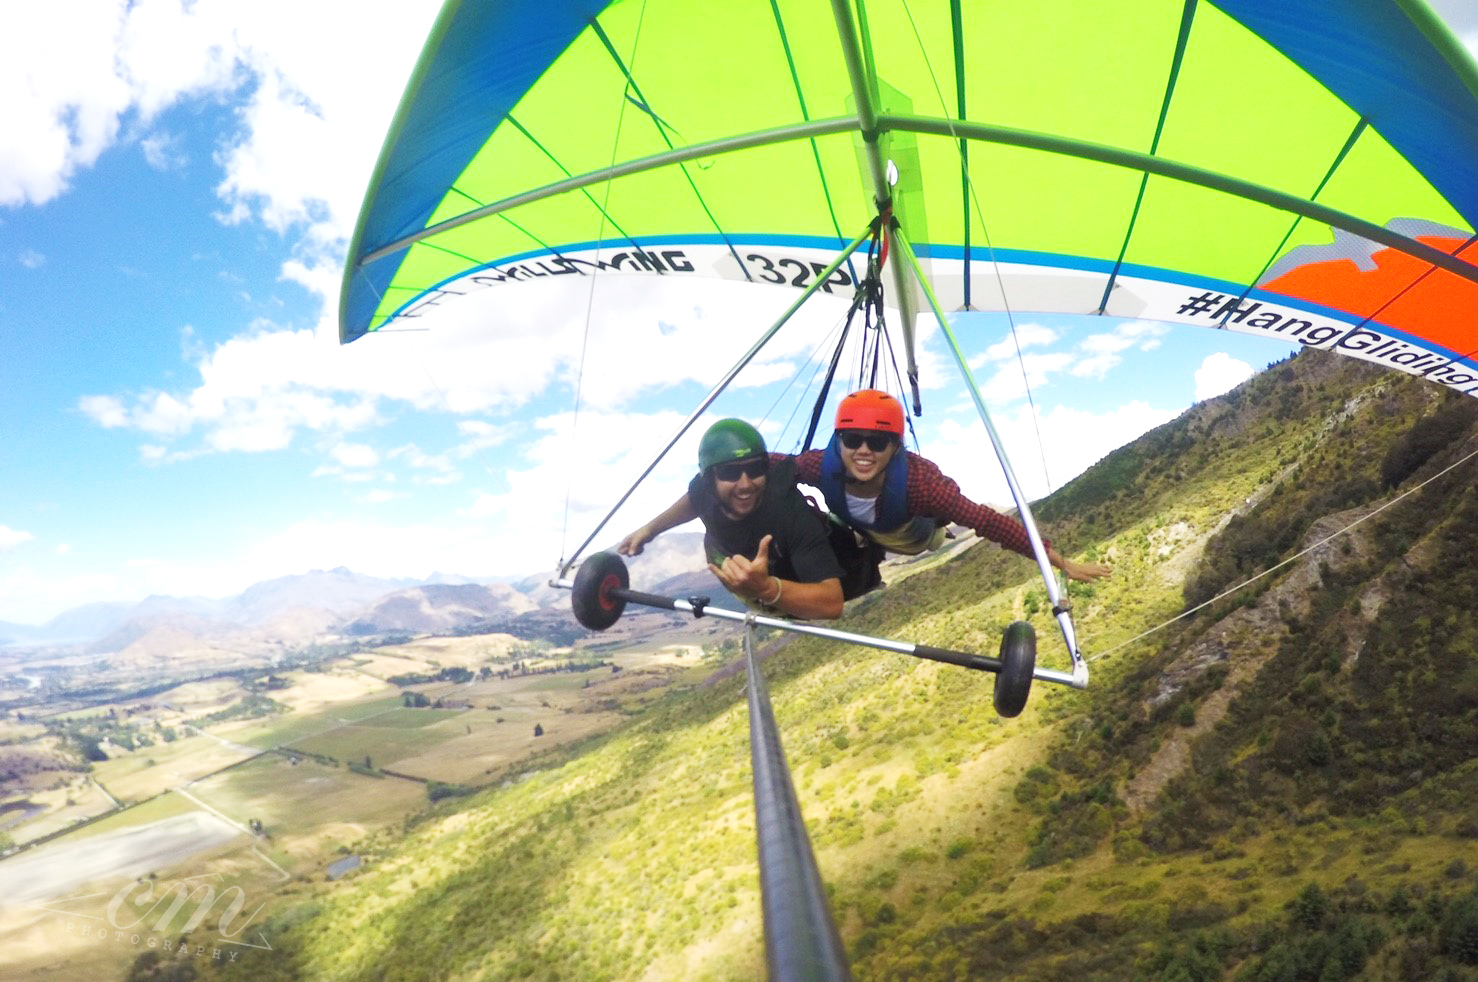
x=898 y=499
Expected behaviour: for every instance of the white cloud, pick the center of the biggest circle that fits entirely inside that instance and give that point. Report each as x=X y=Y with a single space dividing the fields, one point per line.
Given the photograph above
x=107 y=411
x=1073 y=440
x=64 y=63
x=10 y=538
x=162 y=151
x=314 y=108
x=490 y=353
x=355 y=455
x=256 y=392
x=1220 y=373
x=1023 y=337
x=1094 y=356
x=433 y=468
x=479 y=435
x=153 y=453
x=319 y=276
x=356 y=463
x=1007 y=384
x=167 y=50
x=384 y=549
x=270 y=420
x=1102 y=352
x=317 y=120
x=281 y=187
x=31 y=259
x=573 y=475
x=84 y=74
x=161 y=414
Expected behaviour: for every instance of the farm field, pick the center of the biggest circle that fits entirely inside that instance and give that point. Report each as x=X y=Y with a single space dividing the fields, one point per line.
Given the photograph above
x=193 y=698
x=164 y=806
x=468 y=652
x=308 y=809
x=343 y=684
x=149 y=771
x=284 y=730
x=473 y=749
x=186 y=798
x=384 y=745
x=401 y=718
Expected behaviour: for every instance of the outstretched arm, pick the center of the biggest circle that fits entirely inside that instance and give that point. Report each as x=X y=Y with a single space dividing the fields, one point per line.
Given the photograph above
x=678 y=513
x=1081 y=572
x=931 y=492
x=750 y=579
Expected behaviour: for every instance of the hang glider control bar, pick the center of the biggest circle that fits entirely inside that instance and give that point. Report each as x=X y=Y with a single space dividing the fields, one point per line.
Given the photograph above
x=601 y=590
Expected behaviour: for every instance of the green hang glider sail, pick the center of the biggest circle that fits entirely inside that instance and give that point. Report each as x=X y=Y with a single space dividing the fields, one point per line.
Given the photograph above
x=1303 y=169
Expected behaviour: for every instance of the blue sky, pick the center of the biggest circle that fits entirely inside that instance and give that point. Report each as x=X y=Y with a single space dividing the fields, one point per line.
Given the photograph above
x=177 y=186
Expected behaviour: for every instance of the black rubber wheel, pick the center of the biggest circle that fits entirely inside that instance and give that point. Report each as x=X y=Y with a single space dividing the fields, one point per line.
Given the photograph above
x=1018 y=662
x=595 y=608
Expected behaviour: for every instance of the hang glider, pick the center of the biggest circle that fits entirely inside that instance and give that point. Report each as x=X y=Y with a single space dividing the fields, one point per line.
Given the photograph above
x=1291 y=168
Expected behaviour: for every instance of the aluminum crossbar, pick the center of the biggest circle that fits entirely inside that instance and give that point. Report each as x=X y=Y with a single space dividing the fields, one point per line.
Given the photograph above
x=699 y=607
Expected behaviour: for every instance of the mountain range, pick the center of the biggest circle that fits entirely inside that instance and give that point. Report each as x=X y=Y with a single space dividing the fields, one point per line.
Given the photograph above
x=296 y=609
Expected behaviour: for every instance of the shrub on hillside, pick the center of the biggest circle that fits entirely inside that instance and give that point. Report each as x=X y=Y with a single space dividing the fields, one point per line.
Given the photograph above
x=437 y=790
x=1457 y=936
x=1427 y=436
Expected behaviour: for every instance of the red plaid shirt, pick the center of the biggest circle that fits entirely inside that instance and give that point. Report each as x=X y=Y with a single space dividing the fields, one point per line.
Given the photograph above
x=934 y=494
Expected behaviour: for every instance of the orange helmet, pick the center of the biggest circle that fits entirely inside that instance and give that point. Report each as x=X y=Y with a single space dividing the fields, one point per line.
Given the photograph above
x=871 y=409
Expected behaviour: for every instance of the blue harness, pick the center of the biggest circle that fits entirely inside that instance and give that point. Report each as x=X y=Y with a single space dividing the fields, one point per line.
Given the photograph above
x=892 y=510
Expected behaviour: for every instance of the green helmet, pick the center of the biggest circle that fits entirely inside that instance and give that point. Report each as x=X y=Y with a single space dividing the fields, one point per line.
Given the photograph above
x=729 y=439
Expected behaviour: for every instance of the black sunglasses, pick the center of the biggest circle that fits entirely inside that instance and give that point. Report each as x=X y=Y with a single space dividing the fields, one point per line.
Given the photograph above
x=754 y=469
x=876 y=442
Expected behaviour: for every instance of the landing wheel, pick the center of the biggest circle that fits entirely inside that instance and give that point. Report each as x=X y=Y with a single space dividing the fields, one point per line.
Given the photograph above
x=1018 y=662
x=595 y=607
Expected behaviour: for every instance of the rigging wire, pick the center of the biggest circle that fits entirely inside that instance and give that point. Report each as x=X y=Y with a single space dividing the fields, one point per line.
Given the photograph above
x=1253 y=579
x=898 y=382
x=813 y=358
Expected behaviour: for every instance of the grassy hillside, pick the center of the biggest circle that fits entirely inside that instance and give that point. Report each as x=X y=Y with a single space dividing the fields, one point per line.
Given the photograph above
x=1279 y=786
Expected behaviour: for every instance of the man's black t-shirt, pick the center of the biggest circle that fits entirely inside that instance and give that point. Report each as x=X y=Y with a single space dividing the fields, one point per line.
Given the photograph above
x=800 y=550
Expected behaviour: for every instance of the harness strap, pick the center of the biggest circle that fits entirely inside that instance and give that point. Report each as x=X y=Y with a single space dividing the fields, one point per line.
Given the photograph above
x=868 y=297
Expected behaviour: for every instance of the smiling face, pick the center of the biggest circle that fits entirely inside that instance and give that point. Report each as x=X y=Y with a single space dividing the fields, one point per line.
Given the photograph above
x=740 y=486
x=865 y=455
